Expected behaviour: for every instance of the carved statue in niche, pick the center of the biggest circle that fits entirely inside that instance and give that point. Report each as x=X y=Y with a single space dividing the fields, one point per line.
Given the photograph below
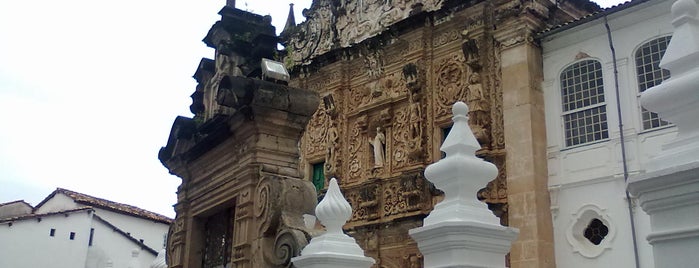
x=469 y=47
x=372 y=61
x=414 y=127
x=332 y=160
x=478 y=109
x=410 y=74
x=378 y=143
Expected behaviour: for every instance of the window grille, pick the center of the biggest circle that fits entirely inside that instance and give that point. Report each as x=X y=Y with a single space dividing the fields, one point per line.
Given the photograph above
x=218 y=243
x=650 y=74
x=584 y=108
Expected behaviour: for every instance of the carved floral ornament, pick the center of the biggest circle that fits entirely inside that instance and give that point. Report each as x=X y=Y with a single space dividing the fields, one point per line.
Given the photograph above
x=343 y=23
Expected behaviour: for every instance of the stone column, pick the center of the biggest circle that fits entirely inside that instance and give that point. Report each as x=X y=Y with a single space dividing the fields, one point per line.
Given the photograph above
x=525 y=144
x=669 y=190
x=461 y=231
x=333 y=249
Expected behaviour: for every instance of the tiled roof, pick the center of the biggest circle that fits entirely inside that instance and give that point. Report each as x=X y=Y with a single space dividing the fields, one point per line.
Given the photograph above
x=12 y=202
x=109 y=205
x=33 y=216
x=590 y=17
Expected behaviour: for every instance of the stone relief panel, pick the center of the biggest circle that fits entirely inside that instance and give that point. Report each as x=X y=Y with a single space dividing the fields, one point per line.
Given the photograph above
x=407 y=126
x=444 y=38
x=450 y=83
x=313 y=142
x=365 y=202
x=340 y=24
x=358 y=150
x=405 y=194
x=498 y=128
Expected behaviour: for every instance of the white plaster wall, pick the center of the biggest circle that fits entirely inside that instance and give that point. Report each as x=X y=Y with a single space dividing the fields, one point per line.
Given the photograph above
x=593 y=173
x=58 y=202
x=152 y=233
x=109 y=246
x=27 y=243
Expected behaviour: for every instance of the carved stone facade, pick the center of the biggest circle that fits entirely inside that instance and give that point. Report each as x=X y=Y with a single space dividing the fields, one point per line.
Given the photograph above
x=398 y=77
x=242 y=198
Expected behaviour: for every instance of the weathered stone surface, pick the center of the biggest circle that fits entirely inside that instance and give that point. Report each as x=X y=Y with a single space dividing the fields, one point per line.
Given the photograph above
x=242 y=198
x=404 y=79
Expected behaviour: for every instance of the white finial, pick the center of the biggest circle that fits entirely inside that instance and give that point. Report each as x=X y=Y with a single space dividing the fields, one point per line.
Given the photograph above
x=460 y=174
x=460 y=138
x=333 y=211
x=683 y=9
x=333 y=248
x=676 y=99
x=461 y=231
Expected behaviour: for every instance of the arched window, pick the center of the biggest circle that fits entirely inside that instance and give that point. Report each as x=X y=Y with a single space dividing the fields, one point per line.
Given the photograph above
x=650 y=74
x=584 y=108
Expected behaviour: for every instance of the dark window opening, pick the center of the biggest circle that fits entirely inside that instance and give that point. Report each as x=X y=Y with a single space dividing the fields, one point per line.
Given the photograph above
x=72 y=235
x=92 y=234
x=52 y=232
x=596 y=231
x=319 y=176
x=218 y=243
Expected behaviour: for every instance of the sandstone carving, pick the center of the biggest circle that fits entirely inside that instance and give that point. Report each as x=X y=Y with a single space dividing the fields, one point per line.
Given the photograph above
x=378 y=145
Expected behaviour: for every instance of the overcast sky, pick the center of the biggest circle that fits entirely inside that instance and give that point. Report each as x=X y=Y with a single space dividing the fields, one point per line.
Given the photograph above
x=89 y=90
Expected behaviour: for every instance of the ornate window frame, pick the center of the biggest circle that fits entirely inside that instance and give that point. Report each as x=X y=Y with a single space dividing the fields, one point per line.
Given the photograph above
x=576 y=229
x=584 y=107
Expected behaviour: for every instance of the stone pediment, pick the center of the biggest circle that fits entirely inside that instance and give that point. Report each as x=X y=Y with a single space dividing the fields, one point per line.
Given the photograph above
x=333 y=24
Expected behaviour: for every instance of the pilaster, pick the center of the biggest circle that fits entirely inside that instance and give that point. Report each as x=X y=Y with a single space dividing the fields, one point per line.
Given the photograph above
x=525 y=143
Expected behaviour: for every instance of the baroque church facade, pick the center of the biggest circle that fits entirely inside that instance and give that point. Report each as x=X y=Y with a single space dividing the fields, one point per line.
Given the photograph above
x=388 y=72
x=368 y=103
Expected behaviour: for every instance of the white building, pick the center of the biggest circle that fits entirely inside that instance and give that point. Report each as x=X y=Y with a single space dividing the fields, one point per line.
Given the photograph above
x=70 y=229
x=595 y=224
